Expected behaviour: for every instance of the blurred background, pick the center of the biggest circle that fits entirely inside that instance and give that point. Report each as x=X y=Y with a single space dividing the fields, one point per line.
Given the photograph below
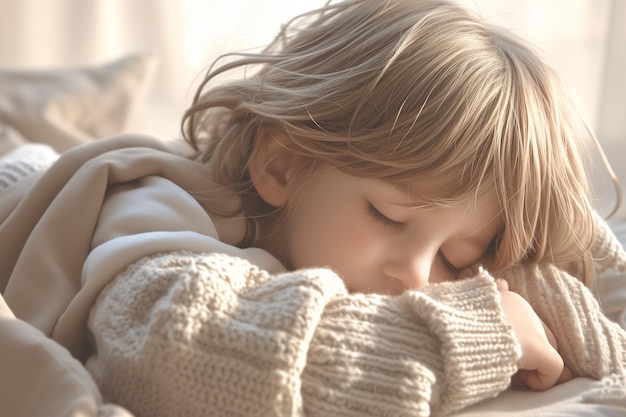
x=584 y=39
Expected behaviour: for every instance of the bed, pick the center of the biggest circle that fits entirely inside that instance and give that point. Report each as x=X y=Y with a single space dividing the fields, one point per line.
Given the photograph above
x=43 y=113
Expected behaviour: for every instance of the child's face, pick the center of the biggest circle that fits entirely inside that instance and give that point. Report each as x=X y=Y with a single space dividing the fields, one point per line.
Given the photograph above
x=372 y=235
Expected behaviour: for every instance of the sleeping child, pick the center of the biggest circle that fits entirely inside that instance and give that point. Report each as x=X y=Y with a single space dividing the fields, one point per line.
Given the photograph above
x=387 y=214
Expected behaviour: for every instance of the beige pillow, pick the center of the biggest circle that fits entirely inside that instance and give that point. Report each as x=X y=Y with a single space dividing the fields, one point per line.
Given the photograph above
x=65 y=107
x=9 y=139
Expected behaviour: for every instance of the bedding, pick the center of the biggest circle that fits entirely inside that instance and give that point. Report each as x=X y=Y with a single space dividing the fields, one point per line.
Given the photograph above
x=65 y=107
x=45 y=356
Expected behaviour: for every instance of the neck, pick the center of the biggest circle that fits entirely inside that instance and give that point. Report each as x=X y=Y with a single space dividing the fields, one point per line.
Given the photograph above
x=271 y=237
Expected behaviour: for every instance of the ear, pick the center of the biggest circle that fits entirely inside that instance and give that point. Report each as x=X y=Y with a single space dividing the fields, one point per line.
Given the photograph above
x=271 y=166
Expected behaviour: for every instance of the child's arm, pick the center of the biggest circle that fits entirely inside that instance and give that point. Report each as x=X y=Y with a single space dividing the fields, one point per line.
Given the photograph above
x=540 y=366
x=428 y=352
x=591 y=345
x=213 y=334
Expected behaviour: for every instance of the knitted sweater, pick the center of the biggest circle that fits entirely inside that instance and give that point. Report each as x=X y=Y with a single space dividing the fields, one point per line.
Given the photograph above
x=209 y=334
x=181 y=324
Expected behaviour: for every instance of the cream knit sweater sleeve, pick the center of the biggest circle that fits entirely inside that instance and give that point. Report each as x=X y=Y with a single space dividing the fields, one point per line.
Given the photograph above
x=591 y=345
x=197 y=335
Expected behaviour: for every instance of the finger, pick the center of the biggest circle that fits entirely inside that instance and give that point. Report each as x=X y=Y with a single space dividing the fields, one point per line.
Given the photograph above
x=546 y=373
x=566 y=375
x=502 y=284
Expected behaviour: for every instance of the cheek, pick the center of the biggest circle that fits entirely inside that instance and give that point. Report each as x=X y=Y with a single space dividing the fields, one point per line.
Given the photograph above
x=439 y=272
x=335 y=238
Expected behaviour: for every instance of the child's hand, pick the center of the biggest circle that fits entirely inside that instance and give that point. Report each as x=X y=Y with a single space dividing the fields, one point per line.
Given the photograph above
x=540 y=366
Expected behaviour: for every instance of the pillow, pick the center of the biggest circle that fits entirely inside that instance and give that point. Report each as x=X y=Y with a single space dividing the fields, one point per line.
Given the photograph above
x=9 y=139
x=19 y=169
x=65 y=107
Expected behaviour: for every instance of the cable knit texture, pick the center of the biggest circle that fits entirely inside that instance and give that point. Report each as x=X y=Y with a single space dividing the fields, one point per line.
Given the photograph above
x=207 y=334
x=593 y=346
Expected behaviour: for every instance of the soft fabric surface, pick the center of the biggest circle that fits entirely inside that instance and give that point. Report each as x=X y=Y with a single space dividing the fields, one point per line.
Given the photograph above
x=66 y=107
x=19 y=169
x=9 y=139
x=59 y=293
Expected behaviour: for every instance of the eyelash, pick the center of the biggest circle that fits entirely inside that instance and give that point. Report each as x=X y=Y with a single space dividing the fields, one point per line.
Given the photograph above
x=448 y=264
x=381 y=218
x=387 y=222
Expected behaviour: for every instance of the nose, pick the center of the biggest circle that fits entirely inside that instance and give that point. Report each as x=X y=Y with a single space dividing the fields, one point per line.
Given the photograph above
x=411 y=267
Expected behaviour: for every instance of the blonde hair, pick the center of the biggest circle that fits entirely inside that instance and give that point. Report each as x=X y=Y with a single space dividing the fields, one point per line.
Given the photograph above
x=410 y=90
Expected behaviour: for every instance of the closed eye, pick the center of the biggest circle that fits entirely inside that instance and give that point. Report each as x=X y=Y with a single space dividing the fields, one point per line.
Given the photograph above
x=381 y=218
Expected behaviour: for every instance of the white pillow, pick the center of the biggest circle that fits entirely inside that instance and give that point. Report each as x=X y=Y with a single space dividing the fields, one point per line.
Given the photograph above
x=65 y=107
